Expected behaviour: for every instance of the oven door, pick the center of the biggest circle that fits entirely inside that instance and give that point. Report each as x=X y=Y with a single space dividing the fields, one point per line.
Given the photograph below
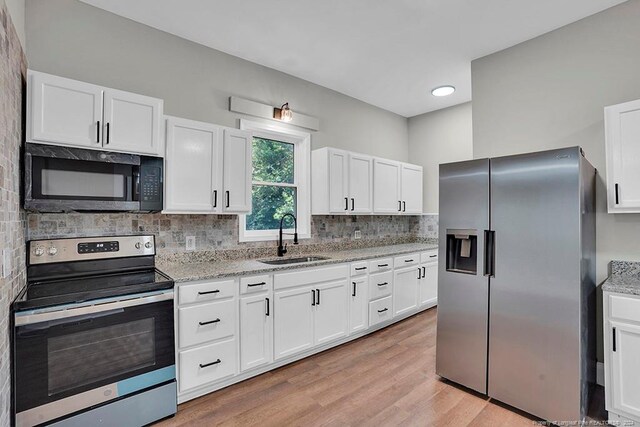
x=69 y=360
x=59 y=179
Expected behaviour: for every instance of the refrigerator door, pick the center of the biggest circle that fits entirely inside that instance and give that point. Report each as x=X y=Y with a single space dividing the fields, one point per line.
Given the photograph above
x=461 y=350
x=534 y=321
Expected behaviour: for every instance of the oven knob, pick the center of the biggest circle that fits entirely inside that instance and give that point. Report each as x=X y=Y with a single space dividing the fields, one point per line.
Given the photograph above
x=53 y=251
x=147 y=245
x=138 y=245
x=38 y=251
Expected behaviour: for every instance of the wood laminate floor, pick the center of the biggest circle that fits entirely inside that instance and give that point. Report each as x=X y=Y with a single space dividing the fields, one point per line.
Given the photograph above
x=384 y=379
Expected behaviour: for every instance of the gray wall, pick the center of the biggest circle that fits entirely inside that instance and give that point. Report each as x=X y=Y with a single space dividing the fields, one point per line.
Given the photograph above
x=73 y=39
x=550 y=92
x=437 y=137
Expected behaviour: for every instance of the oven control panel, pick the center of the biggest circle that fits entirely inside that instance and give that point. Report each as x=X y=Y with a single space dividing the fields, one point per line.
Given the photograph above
x=93 y=247
x=89 y=248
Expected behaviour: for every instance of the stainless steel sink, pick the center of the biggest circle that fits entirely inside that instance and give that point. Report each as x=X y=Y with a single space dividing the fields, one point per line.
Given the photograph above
x=298 y=260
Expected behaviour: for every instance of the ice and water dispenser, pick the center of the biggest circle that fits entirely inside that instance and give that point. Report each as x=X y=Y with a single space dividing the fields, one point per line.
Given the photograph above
x=462 y=251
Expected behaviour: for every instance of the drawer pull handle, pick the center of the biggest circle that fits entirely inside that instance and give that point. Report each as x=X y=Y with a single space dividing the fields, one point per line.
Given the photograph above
x=432 y=256
x=209 y=292
x=383 y=265
x=204 y=365
x=383 y=284
x=257 y=284
x=383 y=310
x=208 y=322
x=408 y=260
x=360 y=268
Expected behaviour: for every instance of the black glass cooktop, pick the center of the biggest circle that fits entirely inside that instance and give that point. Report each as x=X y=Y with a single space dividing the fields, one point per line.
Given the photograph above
x=80 y=289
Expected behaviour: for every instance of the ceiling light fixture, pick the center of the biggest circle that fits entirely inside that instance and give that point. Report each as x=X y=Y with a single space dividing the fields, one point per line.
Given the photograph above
x=443 y=90
x=283 y=113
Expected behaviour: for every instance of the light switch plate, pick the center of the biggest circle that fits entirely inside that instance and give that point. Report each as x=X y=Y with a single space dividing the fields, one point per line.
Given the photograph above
x=191 y=243
x=357 y=235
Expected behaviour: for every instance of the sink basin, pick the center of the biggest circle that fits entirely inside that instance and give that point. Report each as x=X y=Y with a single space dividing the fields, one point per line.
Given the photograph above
x=298 y=260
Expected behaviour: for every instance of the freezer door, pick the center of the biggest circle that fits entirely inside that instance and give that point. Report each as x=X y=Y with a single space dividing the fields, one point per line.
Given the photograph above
x=461 y=351
x=534 y=322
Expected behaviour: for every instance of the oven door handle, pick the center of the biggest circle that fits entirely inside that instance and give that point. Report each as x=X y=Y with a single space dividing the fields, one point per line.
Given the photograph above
x=36 y=316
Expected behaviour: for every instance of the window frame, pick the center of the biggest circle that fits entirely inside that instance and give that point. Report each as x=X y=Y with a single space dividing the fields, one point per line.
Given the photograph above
x=302 y=179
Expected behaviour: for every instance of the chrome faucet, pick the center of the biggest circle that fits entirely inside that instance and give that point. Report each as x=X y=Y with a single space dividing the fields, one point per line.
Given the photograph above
x=282 y=248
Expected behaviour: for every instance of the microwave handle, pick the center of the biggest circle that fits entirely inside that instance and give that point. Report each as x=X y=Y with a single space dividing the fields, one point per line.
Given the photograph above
x=136 y=185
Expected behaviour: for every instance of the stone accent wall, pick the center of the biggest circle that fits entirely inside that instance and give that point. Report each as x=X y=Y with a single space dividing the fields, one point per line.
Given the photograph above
x=12 y=218
x=220 y=232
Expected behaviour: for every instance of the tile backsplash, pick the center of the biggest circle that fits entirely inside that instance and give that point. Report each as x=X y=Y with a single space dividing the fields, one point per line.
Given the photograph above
x=220 y=232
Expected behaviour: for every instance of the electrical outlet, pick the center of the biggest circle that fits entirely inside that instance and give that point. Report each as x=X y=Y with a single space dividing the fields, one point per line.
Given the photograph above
x=191 y=243
x=357 y=235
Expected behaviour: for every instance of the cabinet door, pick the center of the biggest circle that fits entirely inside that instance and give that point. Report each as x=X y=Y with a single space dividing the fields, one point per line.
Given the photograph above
x=622 y=130
x=625 y=369
x=360 y=184
x=405 y=290
x=411 y=189
x=338 y=181
x=359 y=304
x=132 y=123
x=293 y=321
x=193 y=151
x=64 y=111
x=331 y=312
x=386 y=187
x=237 y=171
x=429 y=284
x=256 y=327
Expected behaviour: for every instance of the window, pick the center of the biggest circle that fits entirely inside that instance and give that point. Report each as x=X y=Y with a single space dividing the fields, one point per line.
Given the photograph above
x=280 y=182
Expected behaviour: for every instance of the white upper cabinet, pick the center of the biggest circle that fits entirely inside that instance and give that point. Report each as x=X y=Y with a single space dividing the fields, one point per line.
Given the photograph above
x=193 y=154
x=342 y=182
x=132 y=122
x=411 y=184
x=67 y=112
x=622 y=132
x=386 y=187
x=237 y=171
x=207 y=168
x=360 y=184
x=63 y=111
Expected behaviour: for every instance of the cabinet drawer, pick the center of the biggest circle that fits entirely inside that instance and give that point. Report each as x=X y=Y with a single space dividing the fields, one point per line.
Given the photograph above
x=431 y=256
x=205 y=291
x=380 y=285
x=310 y=276
x=380 y=311
x=255 y=284
x=207 y=364
x=383 y=264
x=206 y=322
x=359 y=268
x=624 y=308
x=406 y=260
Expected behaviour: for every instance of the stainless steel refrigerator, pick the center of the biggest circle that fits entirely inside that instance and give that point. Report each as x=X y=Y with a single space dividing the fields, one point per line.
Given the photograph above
x=516 y=285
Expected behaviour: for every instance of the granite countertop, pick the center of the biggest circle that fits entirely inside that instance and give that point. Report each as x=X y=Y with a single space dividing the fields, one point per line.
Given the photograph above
x=624 y=279
x=191 y=271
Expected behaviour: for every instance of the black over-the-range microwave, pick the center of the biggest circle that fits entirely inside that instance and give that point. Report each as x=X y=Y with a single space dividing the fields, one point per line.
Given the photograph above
x=61 y=179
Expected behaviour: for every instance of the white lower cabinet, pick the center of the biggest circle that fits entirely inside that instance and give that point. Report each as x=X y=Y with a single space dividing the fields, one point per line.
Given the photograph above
x=405 y=290
x=256 y=331
x=293 y=321
x=331 y=317
x=428 y=282
x=358 y=305
x=206 y=364
x=622 y=353
x=229 y=330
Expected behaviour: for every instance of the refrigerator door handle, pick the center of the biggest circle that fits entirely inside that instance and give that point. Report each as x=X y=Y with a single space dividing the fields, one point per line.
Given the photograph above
x=489 y=253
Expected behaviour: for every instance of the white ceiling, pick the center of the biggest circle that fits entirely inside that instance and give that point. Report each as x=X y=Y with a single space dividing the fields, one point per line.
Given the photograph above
x=387 y=53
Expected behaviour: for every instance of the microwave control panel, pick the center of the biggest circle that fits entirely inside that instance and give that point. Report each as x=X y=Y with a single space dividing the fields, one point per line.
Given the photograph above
x=151 y=184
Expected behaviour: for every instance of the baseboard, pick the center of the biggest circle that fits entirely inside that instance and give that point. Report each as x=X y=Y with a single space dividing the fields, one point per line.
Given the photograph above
x=600 y=373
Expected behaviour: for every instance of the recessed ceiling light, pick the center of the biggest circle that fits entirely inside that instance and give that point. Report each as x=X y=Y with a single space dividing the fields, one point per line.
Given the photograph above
x=443 y=90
